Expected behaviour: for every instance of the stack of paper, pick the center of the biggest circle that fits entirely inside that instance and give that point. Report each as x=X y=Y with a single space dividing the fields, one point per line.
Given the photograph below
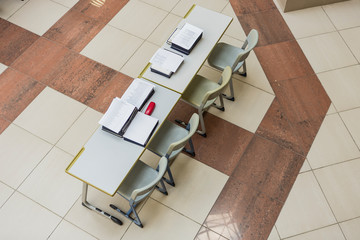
x=165 y=62
x=138 y=93
x=186 y=39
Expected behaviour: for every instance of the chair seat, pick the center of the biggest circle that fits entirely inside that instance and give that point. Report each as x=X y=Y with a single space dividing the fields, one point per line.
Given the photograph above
x=139 y=176
x=196 y=90
x=167 y=134
x=225 y=55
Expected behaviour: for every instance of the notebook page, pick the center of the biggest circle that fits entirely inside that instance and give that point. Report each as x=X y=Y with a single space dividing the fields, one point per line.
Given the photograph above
x=138 y=92
x=187 y=36
x=167 y=59
x=141 y=128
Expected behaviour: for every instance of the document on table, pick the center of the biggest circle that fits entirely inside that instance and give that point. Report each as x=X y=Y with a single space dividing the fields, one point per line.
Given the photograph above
x=138 y=93
x=167 y=59
x=141 y=129
x=187 y=36
x=117 y=115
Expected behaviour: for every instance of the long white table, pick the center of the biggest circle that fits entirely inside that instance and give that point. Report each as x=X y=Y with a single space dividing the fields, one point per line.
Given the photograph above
x=214 y=25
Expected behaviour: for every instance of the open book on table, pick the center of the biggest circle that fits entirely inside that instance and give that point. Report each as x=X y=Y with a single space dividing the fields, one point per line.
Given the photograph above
x=123 y=118
x=186 y=38
x=165 y=62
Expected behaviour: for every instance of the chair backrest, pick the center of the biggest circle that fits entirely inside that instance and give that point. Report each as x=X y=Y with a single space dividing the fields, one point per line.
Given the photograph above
x=140 y=193
x=249 y=44
x=180 y=144
x=211 y=95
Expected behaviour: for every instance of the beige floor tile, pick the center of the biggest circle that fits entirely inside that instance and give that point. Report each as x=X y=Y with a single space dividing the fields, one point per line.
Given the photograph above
x=166 y=5
x=162 y=33
x=5 y=193
x=308 y=22
x=332 y=109
x=184 y=6
x=139 y=60
x=234 y=30
x=2 y=68
x=9 y=7
x=305 y=209
x=352 y=119
x=38 y=16
x=351 y=37
x=206 y=234
x=161 y=223
x=273 y=235
x=21 y=218
x=344 y=14
x=50 y=186
x=20 y=152
x=68 y=3
x=340 y=184
x=192 y=200
x=50 y=115
x=66 y=230
x=95 y=224
x=332 y=144
x=332 y=232
x=351 y=229
x=112 y=47
x=80 y=131
x=327 y=52
x=248 y=99
x=306 y=167
x=343 y=87
x=138 y=18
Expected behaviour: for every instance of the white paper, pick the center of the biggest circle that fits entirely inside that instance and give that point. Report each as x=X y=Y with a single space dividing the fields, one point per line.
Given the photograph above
x=138 y=92
x=117 y=115
x=167 y=59
x=140 y=128
x=187 y=36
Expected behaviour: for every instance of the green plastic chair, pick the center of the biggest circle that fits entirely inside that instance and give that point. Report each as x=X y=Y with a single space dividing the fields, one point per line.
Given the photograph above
x=139 y=184
x=202 y=94
x=171 y=139
x=227 y=55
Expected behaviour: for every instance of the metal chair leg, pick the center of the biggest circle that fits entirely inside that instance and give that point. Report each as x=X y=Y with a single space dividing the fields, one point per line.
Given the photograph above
x=162 y=189
x=243 y=72
x=231 y=97
x=135 y=220
x=202 y=132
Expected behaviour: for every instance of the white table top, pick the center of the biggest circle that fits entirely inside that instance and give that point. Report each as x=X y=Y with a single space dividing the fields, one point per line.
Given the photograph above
x=214 y=25
x=107 y=159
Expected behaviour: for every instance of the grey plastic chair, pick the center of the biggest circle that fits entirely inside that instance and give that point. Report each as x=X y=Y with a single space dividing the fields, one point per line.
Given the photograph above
x=202 y=94
x=171 y=139
x=227 y=55
x=139 y=184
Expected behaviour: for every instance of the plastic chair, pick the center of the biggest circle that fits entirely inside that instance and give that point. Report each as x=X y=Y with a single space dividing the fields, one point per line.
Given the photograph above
x=171 y=139
x=139 y=184
x=227 y=55
x=202 y=93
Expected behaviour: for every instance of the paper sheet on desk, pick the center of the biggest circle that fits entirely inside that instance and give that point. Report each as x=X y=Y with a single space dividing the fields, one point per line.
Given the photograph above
x=141 y=128
x=167 y=59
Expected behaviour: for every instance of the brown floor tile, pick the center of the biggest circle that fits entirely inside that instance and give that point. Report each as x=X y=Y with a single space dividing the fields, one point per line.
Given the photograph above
x=270 y=25
x=100 y=9
x=74 y=30
x=269 y=168
x=115 y=88
x=16 y=92
x=224 y=144
x=283 y=61
x=276 y=127
x=14 y=41
x=3 y=124
x=245 y=6
x=41 y=58
x=243 y=213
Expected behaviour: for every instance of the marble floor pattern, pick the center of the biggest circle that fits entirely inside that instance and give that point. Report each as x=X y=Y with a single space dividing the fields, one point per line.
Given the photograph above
x=281 y=162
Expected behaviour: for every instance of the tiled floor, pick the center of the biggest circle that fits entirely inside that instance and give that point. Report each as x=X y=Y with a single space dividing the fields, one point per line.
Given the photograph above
x=62 y=61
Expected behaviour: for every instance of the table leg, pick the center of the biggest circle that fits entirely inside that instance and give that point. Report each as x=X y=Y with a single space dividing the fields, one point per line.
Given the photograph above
x=86 y=204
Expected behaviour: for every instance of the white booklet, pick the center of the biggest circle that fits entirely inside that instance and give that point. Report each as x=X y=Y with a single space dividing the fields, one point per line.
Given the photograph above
x=166 y=59
x=187 y=36
x=138 y=93
x=118 y=116
x=141 y=128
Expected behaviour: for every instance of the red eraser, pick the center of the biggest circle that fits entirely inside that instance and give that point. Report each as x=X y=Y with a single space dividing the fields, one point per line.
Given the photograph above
x=150 y=108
